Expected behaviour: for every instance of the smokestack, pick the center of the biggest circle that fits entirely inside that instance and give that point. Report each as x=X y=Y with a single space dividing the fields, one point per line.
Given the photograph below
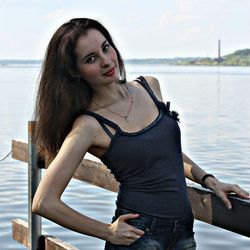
x=219 y=56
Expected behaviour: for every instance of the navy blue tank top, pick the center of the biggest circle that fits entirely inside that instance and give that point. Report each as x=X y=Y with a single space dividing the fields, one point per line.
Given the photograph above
x=148 y=164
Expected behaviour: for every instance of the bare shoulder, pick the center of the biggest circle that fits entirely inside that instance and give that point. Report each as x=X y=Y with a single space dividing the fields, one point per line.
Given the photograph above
x=84 y=131
x=155 y=86
x=81 y=137
x=85 y=124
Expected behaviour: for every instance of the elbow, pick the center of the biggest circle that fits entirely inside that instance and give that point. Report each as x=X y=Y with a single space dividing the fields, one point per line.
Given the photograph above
x=37 y=206
x=41 y=206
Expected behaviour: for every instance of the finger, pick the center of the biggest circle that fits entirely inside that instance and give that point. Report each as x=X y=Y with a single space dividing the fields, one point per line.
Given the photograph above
x=125 y=217
x=227 y=202
x=241 y=192
x=137 y=231
x=131 y=239
x=132 y=235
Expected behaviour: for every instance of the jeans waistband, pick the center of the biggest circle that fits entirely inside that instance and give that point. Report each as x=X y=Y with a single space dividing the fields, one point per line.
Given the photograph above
x=152 y=223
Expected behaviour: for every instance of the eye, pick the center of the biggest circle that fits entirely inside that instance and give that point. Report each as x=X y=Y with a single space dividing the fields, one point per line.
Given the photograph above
x=106 y=47
x=90 y=59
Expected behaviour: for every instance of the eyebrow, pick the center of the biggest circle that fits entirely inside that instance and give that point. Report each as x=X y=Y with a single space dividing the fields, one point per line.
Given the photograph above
x=90 y=54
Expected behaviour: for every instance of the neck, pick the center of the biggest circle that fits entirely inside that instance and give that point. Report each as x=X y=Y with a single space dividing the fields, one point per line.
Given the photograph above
x=106 y=95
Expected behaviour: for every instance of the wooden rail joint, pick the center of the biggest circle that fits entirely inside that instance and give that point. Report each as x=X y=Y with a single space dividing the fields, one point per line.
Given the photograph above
x=20 y=231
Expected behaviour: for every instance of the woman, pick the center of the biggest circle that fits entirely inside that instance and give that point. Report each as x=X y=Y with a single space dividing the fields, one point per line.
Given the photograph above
x=85 y=104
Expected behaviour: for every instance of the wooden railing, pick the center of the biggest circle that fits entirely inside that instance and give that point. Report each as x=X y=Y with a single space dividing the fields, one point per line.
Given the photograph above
x=205 y=205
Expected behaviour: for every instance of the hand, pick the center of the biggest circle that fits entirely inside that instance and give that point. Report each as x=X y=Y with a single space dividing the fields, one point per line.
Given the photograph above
x=223 y=189
x=122 y=233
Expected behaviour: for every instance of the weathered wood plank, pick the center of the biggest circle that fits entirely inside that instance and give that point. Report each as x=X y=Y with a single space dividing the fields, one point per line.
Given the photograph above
x=207 y=207
x=96 y=174
x=201 y=204
x=20 y=232
x=19 y=150
x=53 y=243
x=236 y=220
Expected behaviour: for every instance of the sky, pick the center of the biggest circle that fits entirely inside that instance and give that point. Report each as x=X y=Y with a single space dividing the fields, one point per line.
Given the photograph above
x=140 y=28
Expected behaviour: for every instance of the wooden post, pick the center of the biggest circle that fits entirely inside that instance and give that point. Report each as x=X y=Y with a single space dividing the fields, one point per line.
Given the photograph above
x=34 y=176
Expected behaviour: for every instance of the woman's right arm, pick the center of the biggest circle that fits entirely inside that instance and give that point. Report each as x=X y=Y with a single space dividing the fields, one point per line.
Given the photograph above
x=47 y=200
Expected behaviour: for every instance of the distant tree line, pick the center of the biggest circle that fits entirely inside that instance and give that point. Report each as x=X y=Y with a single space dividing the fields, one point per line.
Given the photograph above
x=238 y=58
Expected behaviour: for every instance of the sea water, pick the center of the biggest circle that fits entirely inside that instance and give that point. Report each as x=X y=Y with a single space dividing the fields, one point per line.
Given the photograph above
x=214 y=108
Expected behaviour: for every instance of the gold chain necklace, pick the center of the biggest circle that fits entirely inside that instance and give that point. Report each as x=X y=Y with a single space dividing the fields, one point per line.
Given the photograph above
x=115 y=113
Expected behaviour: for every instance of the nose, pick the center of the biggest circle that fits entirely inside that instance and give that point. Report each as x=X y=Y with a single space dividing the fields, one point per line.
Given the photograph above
x=105 y=60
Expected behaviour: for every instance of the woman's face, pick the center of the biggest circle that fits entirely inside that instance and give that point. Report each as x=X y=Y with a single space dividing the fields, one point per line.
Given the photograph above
x=97 y=61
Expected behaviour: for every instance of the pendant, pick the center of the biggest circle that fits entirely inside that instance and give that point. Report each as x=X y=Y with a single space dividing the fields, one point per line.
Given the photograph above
x=126 y=119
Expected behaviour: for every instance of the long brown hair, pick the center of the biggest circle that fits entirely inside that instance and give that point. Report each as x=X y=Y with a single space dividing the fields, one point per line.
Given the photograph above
x=63 y=95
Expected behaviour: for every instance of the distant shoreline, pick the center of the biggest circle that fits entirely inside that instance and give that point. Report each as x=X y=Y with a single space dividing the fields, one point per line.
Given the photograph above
x=238 y=58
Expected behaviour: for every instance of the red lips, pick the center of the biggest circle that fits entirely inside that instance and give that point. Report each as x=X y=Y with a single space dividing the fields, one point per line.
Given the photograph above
x=110 y=72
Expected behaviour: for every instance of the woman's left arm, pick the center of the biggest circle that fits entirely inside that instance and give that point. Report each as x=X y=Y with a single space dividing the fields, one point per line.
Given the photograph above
x=195 y=173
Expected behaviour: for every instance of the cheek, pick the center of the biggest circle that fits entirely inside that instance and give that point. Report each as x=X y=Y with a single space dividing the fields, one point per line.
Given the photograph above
x=88 y=71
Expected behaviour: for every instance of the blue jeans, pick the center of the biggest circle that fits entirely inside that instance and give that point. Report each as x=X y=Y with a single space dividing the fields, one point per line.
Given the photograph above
x=160 y=234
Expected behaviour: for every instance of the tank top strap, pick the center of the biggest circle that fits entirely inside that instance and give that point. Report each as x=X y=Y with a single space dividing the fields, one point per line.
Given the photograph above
x=145 y=84
x=104 y=122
